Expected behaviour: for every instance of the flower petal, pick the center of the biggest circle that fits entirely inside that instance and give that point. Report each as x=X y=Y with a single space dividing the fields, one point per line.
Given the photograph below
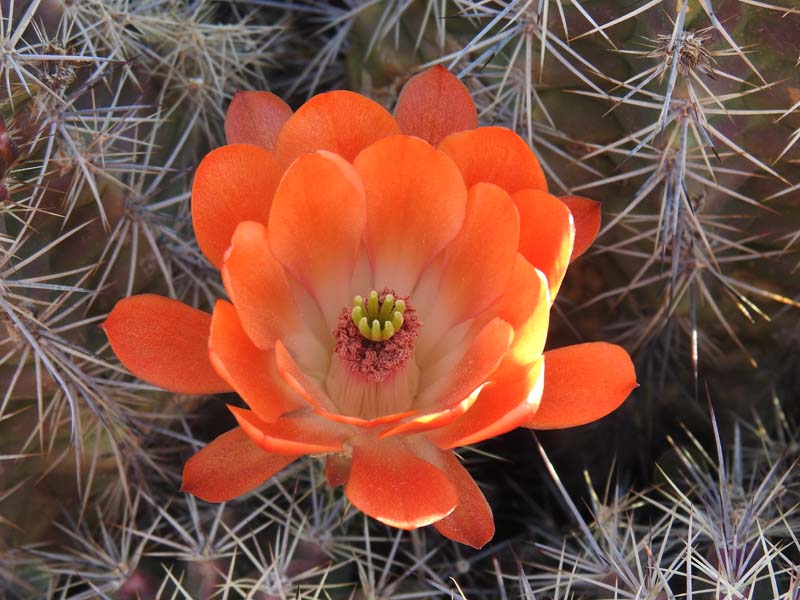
x=251 y=372
x=256 y=283
x=230 y=466
x=499 y=408
x=451 y=391
x=586 y=217
x=583 y=383
x=339 y=121
x=232 y=184
x=442 y=387
x=478 y=262
x=299 y=381
x=525 y=306
x=471 y=523
x=434 y=104
x=546 y=234
x=392 y=484
x=305 y=433
x=337 y=469
x=164 y=342
x=315 y=227
x=495 y=155
x=416 y=202
x=256 y=118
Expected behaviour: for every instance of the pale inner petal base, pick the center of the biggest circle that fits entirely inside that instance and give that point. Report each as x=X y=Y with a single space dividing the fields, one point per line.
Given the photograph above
x=357 y=396
x=369 y=378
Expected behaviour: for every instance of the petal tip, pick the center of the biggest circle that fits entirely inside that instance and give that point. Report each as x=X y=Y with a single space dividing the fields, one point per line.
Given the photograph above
x=583 y=383
x=435 y=103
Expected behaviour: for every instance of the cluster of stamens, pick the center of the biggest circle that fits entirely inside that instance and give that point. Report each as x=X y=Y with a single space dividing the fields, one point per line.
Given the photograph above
x=378 y=321
x=375 y=337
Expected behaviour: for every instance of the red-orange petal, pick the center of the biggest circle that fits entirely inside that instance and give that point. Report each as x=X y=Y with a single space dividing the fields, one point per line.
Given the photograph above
x=337 y=469
x=339 y=121
x=431 y=420
x=499 y=408
x=448 y=385
x=232 y=184
x=452 y=391
x=546 y=234
x=250 y=371
x=230 y=466
x=301 y=383
x=164 y=342
x=583 y=383
x=479 y=261
x=495 y=155
x=586 y=217
x=434 y=104
x=366 y=423
x=471 y=523
x=257 y=285
x=392 y=484
x=315 y=227
x=256 y=118
x=525 y=305
x=416 y=201
x=303 y=433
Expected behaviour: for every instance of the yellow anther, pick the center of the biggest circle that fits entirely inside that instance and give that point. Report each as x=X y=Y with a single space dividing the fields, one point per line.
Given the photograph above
x=375 y=333
x=386 y=308
x=372 y=305
x=388 y=331
x=378 y=321
x=357 y=314
x=363 y=328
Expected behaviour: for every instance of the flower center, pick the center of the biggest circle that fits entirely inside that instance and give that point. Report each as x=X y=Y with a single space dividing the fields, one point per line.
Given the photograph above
x=375 y=337
x=380 y=317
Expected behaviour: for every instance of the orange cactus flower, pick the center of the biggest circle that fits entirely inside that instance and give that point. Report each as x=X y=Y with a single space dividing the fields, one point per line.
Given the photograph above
x=389 y=285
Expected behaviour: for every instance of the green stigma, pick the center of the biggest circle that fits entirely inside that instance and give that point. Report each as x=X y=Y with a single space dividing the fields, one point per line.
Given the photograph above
x=378 y=321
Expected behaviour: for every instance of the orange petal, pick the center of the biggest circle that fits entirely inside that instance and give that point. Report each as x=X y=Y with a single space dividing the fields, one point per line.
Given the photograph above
x=479 y=261
x=583 y=383
x=431 y=420
x=230 y=466
x=316 y=225
x=256 y=283
x=471 y=523
x=395 y=486
x=586 y=217
x=337 y=469
x=256 y=118
x=305 y=433
x=446 y=387
x=416 y=202
x=301 y=383
x=495 y=155
x=435 y=104
x=251 y=372
x=340 y=121
x=164 y=342
x=525 y=306
x=366 y=423
x=546 y=234
x=232 y=184
x=499 y=408
x=453 y=390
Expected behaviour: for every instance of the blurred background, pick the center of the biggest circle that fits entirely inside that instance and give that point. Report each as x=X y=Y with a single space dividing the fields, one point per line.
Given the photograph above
x=681 y=116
